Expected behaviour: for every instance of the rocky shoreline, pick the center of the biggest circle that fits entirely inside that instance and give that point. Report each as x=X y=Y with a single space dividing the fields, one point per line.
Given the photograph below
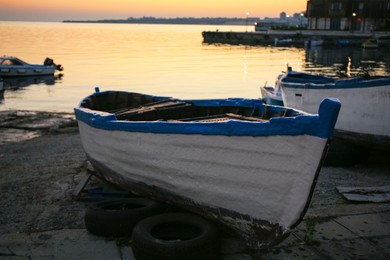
x=41 y=162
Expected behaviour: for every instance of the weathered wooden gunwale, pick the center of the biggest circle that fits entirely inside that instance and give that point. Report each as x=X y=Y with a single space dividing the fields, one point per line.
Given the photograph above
x=136 y=107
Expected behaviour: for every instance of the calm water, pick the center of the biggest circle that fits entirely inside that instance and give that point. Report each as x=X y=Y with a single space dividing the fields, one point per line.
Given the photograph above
x=168 y=60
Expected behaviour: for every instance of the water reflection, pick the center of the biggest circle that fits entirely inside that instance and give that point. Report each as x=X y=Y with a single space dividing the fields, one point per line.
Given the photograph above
x=20 y=82
x=16 y=83
x=347 y=62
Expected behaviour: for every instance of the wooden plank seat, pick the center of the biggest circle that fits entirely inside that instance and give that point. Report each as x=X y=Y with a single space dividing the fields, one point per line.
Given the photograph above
x=161 y=110
x=221 y=118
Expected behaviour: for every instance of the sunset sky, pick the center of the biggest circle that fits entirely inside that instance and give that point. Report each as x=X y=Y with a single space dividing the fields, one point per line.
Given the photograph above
x=59 y=10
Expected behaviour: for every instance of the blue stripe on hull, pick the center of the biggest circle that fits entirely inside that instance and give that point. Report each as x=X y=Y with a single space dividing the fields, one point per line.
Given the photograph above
x=321 y=125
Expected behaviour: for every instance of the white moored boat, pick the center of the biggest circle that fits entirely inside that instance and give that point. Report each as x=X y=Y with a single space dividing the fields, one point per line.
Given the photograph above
x=273 y=95
x=313 y=43
x=14 y=67
x=250 y=166
x=365 y=115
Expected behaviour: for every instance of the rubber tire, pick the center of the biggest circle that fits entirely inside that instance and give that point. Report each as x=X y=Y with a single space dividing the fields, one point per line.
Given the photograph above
x=174 y=236
x=117 y=218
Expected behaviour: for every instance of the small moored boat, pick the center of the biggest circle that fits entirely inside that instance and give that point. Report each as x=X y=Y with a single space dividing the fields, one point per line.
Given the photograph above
x=365 y=116
x=342 y=43
x=313 y=43
x=283 y=42
x=250 y=166
x=273 y=95
x=14 y=67
x=371 y=43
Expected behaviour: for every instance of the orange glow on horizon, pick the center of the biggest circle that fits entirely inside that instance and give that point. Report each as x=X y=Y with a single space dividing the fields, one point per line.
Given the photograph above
x=122 y=9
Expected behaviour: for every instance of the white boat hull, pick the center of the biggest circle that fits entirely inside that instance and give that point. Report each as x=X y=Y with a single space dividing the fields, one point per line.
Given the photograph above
x=364 y=116
x=271 y=96
x=13 y=67
x=13 y=71
x=313 y=43
x=242 y=176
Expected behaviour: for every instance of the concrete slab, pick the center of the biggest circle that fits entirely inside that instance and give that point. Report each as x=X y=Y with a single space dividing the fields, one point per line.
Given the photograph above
x=238 y=257
x=330 y=230
x=87 y=250
x=60 y=244
x=295 y=252
x=366 y=225
x=127 y=253
x=351 y=249
x=14 y=258
x=383 y=243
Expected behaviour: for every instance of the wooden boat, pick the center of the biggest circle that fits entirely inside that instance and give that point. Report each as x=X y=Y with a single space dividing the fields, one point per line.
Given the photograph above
x=365 y=116
x=14 y=67
x=250 y=166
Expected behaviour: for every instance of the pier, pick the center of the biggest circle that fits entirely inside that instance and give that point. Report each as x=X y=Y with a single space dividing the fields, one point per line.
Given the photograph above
x=298 y=37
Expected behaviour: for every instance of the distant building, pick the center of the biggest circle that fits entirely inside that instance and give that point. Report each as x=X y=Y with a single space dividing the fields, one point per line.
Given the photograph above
x=348 y=15
x=295 y=21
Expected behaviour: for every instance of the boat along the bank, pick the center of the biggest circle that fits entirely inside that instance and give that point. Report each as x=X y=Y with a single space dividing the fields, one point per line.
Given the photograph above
x=13 y=67
x=371 y=43
x=365 y=115
x=251 y=167
x=273 y=95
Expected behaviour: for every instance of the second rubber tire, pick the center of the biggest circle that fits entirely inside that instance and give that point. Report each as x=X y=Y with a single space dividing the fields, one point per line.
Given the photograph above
x=117 y=218
x=175 y=236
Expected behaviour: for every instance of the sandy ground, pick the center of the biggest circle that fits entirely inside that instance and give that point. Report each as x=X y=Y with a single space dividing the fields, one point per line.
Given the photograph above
x=42 y=162
x=38 y=175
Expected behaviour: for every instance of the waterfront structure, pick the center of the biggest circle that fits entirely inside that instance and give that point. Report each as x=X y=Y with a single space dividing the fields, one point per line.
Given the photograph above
x=348 y=15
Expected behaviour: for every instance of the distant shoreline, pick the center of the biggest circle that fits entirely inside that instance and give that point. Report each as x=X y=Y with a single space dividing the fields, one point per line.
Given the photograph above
x=178 y=20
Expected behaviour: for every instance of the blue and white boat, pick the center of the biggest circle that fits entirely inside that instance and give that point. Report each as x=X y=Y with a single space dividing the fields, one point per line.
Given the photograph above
x=365 y=116
x=250 y=166
x=273 y=95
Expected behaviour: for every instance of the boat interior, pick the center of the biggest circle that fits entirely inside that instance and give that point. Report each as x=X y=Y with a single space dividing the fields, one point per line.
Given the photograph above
x=139 y=107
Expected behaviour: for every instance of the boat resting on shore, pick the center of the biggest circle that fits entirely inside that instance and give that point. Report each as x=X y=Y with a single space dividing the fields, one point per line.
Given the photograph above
x=249 y=166
x=365 y=115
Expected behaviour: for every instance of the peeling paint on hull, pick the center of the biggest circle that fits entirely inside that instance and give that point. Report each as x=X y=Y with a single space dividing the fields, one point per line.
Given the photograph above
x=257 y=233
